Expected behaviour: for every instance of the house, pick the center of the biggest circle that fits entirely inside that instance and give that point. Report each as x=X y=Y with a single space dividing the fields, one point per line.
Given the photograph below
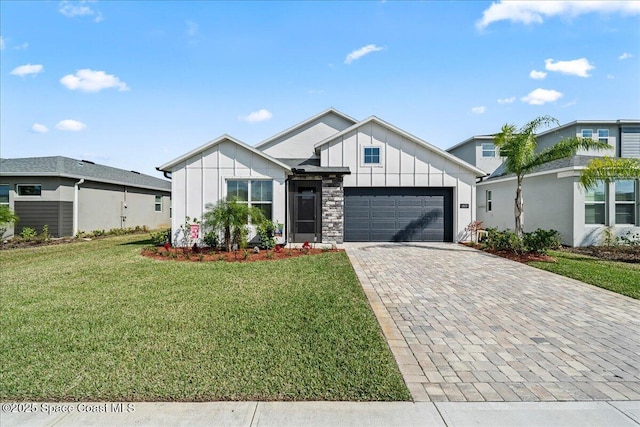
x=70 y=195
x=553 y=196
x=332 y=178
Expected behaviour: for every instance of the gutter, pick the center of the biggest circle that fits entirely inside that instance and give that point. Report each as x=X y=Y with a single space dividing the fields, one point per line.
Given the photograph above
x=75 y=205
x=165 y=173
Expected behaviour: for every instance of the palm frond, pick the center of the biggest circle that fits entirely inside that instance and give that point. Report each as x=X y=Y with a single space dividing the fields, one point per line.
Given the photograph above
x=608 y=169
x=565 y=149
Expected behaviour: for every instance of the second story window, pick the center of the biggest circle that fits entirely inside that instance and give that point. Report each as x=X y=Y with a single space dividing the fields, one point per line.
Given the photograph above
x=603 y=135
x=488 y=149
x=371 y=155
x=587 y=133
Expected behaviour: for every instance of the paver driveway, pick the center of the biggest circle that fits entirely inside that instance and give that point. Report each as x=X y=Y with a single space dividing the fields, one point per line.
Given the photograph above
x=468 y=326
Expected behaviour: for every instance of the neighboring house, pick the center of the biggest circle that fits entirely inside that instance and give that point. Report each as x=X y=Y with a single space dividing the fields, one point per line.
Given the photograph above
x=71 y=195
x=553 y=196
x=332 y=178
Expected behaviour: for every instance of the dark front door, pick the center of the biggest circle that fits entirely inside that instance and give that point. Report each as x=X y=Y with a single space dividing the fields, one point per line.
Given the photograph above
x=305 y=209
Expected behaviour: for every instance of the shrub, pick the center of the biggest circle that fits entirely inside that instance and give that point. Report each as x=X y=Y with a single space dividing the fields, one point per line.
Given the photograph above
x=159 y=238
x=211 y=239
x=6 y=215
x=505 y=240
x=540 y=241
x=28 y=233
x=266 y=231
x=629 y=239
x=44 y=236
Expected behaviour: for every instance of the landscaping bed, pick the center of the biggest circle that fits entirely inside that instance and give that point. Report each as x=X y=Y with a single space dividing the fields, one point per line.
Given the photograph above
x=610 y=253
x=246 y=255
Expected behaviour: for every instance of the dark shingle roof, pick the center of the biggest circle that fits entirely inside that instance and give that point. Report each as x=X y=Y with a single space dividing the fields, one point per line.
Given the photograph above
x=556 y=164
x=312 y=166
x=78 y=169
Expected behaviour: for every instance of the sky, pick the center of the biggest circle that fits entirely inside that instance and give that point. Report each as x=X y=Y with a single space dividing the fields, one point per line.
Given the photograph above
x=136 y=84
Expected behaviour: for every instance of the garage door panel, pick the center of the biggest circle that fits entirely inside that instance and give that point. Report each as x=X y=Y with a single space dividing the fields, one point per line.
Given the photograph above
x=398 y=214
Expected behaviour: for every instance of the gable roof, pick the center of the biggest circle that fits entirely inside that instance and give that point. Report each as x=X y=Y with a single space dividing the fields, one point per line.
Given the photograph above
x=620 y=122
x=577 y=162
x=306 y=122
x=167 y=166
x=66 y=167
x=415 y=139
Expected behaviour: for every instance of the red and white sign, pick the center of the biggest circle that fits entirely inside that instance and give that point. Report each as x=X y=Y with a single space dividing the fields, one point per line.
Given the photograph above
x=195 y=231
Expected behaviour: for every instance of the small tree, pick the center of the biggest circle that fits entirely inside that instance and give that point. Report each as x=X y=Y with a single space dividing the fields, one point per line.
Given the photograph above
x=7 y=217
x=230 y=217
x=518 y=148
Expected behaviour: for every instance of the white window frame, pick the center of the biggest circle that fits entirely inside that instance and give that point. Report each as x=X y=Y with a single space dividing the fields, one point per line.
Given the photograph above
x=627 y=202
x=489 y=197
x=249 y=184
x=597 y=202
x=582 y=131
x=492 y=149
x=603 y=138
x=380 y=156
x=28 y=185
x=157 y=203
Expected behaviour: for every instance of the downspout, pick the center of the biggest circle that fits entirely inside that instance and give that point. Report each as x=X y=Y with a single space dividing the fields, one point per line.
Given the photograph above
x=75 y=205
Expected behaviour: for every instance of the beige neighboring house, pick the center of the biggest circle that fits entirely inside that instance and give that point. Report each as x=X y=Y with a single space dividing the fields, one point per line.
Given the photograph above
x=70 y=195
x=553 y=196
x=332 y=178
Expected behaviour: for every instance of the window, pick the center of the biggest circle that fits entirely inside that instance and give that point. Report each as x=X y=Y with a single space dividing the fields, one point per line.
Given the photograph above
x=595 y=206
x=587 y=133
x=371 y=155
x=158 y=206
x=29 y=190
x=603 y=135
x=489 y=201
x=488 y=149
x=4 y=194
x=625 y=202
x=256 y=193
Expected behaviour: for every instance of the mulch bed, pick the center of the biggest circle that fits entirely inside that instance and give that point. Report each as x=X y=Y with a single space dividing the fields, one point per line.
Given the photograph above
x=609 y=253
x=206 y=255
x=523 y=258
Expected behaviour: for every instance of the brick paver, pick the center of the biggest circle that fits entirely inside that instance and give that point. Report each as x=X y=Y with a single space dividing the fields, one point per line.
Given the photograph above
x=468 y=326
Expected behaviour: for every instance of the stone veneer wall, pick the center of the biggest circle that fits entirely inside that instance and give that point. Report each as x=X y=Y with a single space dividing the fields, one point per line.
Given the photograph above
x=332 y=209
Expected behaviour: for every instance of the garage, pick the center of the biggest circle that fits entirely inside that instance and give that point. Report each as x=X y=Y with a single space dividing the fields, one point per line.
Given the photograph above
x=403 y=214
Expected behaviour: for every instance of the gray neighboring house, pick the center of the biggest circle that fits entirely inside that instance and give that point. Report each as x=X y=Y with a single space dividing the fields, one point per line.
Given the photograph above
x=332 y=178
x=553 y=197
x=70 y=195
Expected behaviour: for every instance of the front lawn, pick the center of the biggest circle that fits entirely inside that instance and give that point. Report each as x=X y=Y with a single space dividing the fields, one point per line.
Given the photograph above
x=620 y=277
x=97 y=321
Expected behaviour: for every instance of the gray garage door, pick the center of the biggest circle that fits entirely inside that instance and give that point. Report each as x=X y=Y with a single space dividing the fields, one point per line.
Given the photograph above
x=398 y=214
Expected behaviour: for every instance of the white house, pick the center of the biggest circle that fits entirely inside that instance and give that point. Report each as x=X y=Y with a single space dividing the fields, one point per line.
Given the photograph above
x=553 y=196
x=332 y=178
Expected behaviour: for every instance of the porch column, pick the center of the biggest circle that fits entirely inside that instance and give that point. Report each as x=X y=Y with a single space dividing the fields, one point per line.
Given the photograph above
x=332 y=209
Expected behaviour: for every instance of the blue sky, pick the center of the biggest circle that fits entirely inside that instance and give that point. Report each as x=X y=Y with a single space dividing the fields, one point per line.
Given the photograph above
x=136 y=84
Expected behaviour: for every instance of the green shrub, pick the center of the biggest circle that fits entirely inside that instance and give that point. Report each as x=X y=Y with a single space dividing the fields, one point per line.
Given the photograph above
x=505 y=240
x=7 y=216
x=28 y=233
x=540 y=241
x=211 y=239
x=44 y=236
x=159 y=238
x=266 y=231
x=629 y=239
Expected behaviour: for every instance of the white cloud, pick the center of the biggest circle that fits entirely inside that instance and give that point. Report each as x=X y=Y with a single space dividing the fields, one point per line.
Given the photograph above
x=479 y=109
x=70 y=125
x=72 y=9
x=1 y=43
x=359 y=53
x=257 y=116
x=22 y=46
x=625 y=55
x=534 y=12
x=88 y=80
x=537 y=75
x=192 y=28
x=27 y=69
x=577 y=67
x=37 y=127
x=541 y=96
x=506 y=100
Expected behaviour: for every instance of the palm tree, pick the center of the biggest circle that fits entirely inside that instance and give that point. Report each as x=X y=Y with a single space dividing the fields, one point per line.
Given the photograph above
x=518 y=148
x=608 y=169
x=231 y=217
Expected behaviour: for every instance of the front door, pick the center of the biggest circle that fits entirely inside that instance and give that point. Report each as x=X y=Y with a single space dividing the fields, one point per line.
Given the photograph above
x=306 y=207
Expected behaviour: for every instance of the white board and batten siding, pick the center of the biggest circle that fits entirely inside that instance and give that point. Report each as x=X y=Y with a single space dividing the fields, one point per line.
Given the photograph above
x=403 y=163
x=201 y=179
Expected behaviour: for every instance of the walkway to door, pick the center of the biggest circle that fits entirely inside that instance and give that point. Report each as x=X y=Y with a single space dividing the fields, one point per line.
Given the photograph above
x=469 y=326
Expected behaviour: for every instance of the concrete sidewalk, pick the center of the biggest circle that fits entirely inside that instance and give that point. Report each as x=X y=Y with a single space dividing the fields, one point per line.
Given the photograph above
x=283 y=414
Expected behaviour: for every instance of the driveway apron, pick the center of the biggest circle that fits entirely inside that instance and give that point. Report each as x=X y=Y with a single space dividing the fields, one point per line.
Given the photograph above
x=464 y=325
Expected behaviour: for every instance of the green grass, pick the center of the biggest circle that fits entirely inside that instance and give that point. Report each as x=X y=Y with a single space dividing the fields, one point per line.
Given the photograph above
x=620 y=277
x=97 y=321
